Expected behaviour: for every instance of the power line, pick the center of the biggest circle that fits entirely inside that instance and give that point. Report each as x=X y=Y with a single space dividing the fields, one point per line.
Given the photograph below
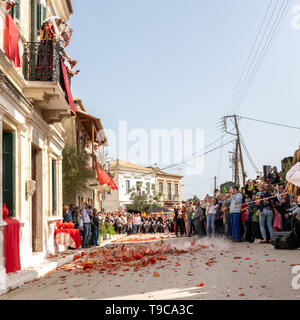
x=248 y=84
x=194 y=155
x=248 y=59
x=225 y=144
x=249 y=156
x=271 y=123
x=255 y=58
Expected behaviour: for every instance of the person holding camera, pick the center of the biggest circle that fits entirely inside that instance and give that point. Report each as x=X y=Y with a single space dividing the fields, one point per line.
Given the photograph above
x=235 y=201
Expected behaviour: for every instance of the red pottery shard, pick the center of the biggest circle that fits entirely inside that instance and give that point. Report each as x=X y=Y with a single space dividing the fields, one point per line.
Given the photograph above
x=237 y=258
x=137 y=256
x=200 y=285
x=156 y=274
x=152 y=260
x=234 y=271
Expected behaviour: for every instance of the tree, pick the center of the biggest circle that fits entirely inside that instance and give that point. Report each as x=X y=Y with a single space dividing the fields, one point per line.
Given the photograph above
x=225 y=187
x=75 y=172
x=143 y=201
x=194 y=199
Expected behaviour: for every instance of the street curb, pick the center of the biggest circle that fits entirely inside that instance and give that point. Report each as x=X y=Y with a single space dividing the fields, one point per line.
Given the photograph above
x=24 y=277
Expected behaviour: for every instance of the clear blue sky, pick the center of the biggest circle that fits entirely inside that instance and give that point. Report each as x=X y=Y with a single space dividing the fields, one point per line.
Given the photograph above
x=175 y=64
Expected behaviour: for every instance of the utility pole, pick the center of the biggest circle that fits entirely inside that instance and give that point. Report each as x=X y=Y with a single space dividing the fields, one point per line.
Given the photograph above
x=240 y=150
x=238 y=154
x=236 y=164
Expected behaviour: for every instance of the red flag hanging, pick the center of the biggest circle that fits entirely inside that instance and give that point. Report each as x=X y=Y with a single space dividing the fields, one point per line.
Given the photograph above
x=67 y=87
x=99 y=175
x=106 y=178
x=114 y=186
x=11 y=41
x=102 y=176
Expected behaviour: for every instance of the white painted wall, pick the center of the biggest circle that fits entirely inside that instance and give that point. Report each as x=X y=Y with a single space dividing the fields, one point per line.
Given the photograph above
x=121 y=198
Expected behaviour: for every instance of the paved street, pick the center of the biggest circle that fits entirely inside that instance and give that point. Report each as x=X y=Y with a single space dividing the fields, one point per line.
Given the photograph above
x=224 y=270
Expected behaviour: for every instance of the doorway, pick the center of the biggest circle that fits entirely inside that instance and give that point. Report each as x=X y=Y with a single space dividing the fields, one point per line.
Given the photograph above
x=36 y=212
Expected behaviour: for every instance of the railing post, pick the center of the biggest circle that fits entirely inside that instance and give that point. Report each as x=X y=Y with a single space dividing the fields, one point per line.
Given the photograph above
x=41 y=61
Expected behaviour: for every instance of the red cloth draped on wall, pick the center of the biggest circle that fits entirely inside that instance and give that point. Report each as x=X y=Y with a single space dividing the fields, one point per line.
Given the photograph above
x=11 y=243
x=11 y=41
x=67 y=87
x=113 y=184
x=102 y=176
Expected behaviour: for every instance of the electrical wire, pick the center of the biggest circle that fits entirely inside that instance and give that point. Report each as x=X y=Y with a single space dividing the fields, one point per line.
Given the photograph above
x=254 y=60
x=248 y=59
x=271 y=123
x=249 y=156
x=201 y=155
x=274 y=31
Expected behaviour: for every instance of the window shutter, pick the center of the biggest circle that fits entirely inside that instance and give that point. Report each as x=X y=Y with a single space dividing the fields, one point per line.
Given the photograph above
x=44 y=13
x=39 y=16
x=54 y=194
x=8 y=182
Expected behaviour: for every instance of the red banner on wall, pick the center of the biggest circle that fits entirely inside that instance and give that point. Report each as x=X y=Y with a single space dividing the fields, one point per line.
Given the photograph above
x=11 y=41
x=67 y=87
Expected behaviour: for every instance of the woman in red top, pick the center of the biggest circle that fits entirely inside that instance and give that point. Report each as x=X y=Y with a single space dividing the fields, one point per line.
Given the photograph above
x=244 y=211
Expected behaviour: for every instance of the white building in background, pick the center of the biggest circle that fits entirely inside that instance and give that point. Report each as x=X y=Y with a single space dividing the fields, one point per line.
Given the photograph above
x=127 y=176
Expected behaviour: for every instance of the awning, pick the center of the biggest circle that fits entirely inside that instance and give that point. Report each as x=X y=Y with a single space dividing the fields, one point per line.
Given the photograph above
x=92 y=126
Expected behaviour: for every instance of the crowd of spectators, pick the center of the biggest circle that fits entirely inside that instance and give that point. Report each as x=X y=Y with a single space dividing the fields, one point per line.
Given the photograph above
x=90 y=222
x=250 y=214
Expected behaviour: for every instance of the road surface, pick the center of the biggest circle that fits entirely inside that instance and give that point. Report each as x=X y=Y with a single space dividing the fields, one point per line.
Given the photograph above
x=223 y=271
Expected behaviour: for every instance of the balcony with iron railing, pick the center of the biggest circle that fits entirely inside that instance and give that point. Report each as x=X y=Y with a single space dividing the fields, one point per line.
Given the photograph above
x=44 y=88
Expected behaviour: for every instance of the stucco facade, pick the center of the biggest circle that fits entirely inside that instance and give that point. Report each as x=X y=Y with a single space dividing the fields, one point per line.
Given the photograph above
x=31 y=131
x=126 y=176
x=170 y=186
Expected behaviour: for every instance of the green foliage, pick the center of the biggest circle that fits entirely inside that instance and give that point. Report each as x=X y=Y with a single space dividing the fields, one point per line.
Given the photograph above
x=225 y=187
x=106 y=228
x=143 y=201
x=194 y=199
x=75 y=172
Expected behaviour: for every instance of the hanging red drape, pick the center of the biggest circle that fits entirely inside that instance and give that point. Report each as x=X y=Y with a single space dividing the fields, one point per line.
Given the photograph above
x=99 y=176
x=11 y=243
x=67 y=87
x=11 y=41
x=113 y=184
x=102 y=176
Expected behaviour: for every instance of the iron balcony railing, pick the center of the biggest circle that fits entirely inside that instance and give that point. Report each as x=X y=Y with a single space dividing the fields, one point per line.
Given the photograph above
x=41 y=61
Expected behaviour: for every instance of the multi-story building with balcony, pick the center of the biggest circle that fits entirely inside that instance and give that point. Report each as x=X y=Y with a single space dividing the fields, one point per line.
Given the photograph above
x=130 y=176
x=86 y=133
x=170 y=186
x=32 y=106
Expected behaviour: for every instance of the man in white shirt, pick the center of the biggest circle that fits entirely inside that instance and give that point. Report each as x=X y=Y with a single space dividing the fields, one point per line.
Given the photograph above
x=86 y=226
x=235 y=202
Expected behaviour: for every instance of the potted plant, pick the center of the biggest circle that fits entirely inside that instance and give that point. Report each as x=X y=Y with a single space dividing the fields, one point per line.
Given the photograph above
x=111 y=231
x=101 y=232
